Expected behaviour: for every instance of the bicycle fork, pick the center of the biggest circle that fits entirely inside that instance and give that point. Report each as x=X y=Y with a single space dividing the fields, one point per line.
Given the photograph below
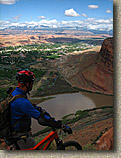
x=59 y=144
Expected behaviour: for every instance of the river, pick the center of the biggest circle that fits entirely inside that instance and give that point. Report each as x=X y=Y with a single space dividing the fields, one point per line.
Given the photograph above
x=63 y=104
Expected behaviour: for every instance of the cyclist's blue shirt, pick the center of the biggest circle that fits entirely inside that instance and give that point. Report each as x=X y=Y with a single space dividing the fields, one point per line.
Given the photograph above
x=20 y=108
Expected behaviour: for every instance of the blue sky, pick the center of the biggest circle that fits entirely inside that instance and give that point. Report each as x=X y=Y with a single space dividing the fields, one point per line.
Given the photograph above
x=56 y=13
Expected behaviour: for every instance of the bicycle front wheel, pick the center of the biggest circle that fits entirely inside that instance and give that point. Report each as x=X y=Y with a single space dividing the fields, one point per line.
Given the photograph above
x=71 y=145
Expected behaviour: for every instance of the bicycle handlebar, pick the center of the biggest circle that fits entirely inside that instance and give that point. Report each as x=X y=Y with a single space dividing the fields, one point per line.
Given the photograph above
x=65 y=128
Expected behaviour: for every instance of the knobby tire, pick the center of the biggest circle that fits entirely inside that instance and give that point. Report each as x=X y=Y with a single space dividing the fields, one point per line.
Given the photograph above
x=69 y=144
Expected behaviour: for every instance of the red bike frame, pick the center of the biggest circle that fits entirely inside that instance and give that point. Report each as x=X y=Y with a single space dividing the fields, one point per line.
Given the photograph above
x=44 y=144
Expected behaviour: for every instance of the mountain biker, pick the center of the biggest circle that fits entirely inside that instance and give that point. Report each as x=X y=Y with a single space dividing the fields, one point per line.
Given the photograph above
x=22 y=111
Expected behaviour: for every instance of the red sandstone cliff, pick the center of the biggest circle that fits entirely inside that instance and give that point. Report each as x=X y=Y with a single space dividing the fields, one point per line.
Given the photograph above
x=90 y=70
x=106 y=141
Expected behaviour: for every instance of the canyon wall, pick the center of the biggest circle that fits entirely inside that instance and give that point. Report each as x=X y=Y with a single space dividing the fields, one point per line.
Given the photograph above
x=91 y=70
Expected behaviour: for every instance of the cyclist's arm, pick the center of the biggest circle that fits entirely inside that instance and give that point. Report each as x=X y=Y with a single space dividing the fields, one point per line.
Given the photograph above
x=43 y=117
x=48 y=121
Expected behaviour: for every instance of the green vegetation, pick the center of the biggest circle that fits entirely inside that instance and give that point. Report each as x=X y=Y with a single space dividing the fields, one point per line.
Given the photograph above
x=7 y=74
x=89 y=146
x=15 y=58
x=75 y=117
x=3 y=93
x=38 y=73
x=53 y=56
x=28 y=54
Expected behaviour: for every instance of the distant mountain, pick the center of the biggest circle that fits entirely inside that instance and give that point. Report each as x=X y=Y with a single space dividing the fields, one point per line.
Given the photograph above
x=110 y=32
x=27 y=27
x=44 y=27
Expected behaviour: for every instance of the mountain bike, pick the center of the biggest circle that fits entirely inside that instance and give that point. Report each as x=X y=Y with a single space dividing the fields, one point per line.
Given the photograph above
x=45 y=143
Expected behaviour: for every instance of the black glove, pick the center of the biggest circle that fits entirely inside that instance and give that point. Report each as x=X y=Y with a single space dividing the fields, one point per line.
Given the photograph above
x=43 y=111
x=67 y=129
x=58 y=124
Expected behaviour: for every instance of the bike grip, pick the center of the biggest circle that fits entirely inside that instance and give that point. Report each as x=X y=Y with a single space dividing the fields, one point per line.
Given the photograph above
x=67 y=126
x=67 y=129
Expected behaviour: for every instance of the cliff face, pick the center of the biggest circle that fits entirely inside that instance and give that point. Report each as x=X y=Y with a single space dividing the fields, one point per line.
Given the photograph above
x=106 y=141
x=105 y=57
x=90 y=70
x=100 y=73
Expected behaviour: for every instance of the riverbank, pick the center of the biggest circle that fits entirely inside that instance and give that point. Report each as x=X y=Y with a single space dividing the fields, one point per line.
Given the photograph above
x=39 y=100
x=53 y=86
x=63 y=104
x=61 y=86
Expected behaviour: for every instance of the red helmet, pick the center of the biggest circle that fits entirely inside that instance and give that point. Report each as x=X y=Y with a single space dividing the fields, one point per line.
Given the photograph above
x=24 y=76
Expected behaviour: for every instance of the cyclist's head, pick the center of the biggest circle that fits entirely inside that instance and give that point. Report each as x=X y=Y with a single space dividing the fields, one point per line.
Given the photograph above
x=25 y=78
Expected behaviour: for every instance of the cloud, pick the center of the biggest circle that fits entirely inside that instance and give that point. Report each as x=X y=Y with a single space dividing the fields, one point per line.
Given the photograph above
x=108 y=11
x=93 y=6
x=8 y=1
x=89 y=23
x=99 y=24
x=48 y=22
x=41 y=17
x=71 y=12
x=84 y=15
x=4 y=22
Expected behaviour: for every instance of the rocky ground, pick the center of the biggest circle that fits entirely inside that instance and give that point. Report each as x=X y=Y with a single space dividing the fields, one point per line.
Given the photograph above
x=88 y=135
x=87 y=131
